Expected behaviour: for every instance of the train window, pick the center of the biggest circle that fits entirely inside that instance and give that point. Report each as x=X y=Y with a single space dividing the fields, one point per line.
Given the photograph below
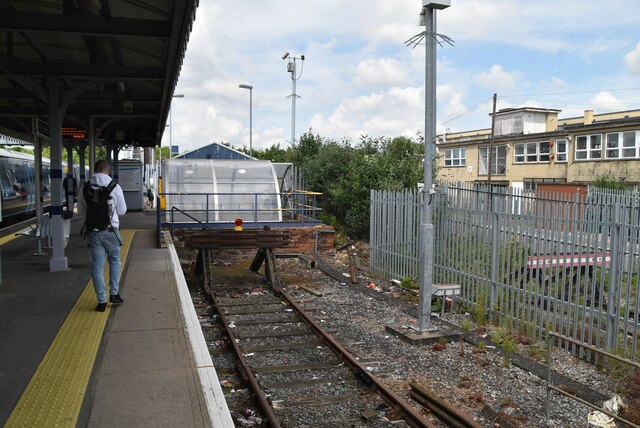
x=7 y=186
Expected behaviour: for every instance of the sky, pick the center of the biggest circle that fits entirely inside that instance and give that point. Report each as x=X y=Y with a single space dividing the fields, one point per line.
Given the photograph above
x=360 y=79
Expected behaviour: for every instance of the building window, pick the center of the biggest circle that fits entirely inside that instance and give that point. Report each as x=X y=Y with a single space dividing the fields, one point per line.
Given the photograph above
x=455 y=157
x=531 y=184
x=561 y=151
x=613 y=146
x=531 y=152
x=623 y=145
x=498 y=160
x=588 y=147
x=630 y=145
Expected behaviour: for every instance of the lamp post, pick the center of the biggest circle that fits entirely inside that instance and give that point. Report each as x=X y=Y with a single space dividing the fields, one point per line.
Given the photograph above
x=291 y=68
x=250 y=88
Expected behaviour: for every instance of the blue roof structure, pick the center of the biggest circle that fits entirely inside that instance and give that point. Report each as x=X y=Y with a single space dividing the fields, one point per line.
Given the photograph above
x=214 y=151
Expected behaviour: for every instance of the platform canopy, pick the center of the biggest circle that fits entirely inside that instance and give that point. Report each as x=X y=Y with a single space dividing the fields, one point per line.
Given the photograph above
x=221 y=190
x=118 y=62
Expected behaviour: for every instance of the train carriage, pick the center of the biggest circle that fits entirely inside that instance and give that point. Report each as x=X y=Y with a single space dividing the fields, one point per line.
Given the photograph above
x=17 y=180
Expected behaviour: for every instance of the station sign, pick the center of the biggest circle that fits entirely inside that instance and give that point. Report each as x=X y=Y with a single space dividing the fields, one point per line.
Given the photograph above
x=70 y=133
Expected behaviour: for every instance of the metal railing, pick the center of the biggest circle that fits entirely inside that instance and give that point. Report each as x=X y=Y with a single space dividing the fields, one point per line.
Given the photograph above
x=182 y=209
x=532 y=262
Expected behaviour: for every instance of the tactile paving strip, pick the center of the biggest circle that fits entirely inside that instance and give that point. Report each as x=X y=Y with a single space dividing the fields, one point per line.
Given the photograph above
x=56 y=390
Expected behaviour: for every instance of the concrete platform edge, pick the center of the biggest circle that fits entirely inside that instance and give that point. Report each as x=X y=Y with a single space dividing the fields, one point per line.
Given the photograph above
x=217 y=408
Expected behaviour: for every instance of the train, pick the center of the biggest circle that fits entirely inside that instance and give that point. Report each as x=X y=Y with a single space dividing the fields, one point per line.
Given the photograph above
x=17 y=178
x=18 y=181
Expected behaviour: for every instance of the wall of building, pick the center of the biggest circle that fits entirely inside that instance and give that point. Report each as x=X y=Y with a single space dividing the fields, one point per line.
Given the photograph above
x=570 y=131
x=588 y=172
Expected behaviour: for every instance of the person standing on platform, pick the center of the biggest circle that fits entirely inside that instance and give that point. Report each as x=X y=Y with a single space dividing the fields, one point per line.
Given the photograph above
x=150 y=198
x=102 y=203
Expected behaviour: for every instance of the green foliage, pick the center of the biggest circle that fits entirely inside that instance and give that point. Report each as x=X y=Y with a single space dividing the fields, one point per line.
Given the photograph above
x=466 y=325
x=500 y=335
x=608 y=182
x=409 y=283
x=275 y=153
x=21 y=149
x=508 y=348
x=346 y=173
x=479 y=310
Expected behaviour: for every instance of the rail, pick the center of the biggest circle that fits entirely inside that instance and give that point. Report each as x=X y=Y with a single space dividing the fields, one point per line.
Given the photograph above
x=412 y=416
x=578 y=399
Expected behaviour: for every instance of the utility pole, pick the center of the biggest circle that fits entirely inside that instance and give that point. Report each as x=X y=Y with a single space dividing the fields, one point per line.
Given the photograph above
x=426 y=227
x=491 y=138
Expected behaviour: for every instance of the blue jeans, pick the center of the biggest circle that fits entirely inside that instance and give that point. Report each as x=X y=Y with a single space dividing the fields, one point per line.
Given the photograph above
x=105 y=246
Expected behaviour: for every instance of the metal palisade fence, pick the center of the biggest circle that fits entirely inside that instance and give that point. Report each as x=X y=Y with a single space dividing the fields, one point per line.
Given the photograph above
x=533 y=262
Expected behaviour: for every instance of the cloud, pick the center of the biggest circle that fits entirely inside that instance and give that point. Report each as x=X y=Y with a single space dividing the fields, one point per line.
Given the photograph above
x=359 y=78
x=398 y=111
x=380 y=72
x=554 y=83
x=605 y=101
x=497 y=78
x=451 y=98
x=632 y=59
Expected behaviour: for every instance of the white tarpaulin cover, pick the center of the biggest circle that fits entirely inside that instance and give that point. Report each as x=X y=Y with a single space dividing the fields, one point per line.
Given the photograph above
x=246 y=189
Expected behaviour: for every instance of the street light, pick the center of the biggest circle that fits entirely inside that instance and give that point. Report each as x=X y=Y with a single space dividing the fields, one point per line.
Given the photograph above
x=291 y=68
x=250 y=88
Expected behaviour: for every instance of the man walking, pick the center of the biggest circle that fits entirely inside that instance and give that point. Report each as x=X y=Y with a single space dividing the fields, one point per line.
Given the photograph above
x=102 y=203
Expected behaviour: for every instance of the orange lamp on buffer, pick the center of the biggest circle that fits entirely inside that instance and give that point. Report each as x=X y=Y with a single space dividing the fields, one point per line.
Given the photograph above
x=238 y=225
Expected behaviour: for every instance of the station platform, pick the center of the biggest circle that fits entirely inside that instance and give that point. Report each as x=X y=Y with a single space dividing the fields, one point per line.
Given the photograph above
x=143 y=363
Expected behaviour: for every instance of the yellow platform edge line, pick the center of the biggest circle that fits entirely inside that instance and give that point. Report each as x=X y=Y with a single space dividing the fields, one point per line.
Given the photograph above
x=55 y=392
x=8 y=238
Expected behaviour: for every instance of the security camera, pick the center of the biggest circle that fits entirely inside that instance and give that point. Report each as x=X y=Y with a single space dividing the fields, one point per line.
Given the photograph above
x=285 y=55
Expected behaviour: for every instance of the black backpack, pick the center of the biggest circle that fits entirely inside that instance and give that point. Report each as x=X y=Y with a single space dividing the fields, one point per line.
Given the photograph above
x=99 y=207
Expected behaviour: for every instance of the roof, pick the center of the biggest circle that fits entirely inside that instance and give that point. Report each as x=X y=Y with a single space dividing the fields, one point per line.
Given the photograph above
x=214 y=151
x=117 y=61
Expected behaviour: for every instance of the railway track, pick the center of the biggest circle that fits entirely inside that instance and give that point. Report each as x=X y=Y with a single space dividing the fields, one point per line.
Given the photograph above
x=277 y=364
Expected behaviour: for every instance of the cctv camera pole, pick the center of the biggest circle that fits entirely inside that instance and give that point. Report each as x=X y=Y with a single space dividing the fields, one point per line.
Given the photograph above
x=293 y=104
x=291 y=68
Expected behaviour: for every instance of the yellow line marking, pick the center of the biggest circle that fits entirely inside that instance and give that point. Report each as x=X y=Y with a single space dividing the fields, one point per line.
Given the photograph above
x=7 y=238
x=55 y=393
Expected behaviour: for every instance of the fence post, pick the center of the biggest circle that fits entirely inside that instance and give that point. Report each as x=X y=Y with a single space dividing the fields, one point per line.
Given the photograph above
x=612 y=297
x=495 y=258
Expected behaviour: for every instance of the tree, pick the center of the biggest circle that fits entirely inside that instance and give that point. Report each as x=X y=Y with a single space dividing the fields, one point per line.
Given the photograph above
x=274 y=154
x=345 y=174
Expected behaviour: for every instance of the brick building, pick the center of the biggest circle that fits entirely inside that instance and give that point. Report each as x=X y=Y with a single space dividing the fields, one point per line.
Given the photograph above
x=533 y=146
